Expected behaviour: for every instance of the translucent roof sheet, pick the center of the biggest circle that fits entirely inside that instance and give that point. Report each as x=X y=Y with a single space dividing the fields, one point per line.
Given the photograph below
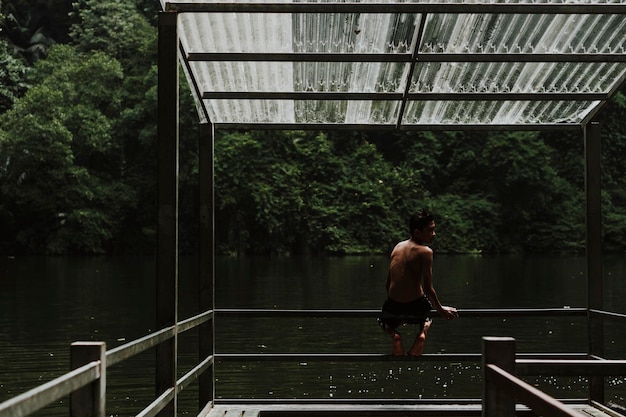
x=402 y=64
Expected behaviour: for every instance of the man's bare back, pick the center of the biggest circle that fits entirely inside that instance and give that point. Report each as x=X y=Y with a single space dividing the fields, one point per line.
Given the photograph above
x=404 y=282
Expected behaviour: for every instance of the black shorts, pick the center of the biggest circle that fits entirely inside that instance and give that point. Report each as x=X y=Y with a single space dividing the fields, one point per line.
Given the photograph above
x=396 y=314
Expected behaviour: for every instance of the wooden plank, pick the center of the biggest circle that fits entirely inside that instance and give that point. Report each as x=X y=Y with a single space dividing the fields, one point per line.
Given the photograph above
x=252 y=412
x=206 y=411
x=234 y=412
x=595 y=412
x=375 y=410
x=346 y=410
x=217 y=412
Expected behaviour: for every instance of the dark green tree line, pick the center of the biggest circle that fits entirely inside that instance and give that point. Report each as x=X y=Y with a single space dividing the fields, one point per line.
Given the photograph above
x=77 y=161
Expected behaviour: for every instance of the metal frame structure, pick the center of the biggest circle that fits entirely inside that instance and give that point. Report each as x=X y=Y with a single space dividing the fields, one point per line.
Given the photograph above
x=171 y=50
x=195 y=61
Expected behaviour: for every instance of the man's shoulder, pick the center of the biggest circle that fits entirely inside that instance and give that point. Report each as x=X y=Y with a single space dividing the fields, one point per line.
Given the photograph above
x=424 y=250
x=414 y=248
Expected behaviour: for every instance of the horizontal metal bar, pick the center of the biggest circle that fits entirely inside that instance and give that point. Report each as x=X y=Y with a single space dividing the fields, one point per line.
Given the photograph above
x=366 y=7
x=527 y=127
x=159 y=403
x=338 y=357
x=608 y=314
x=39 y=397
x=130 y=349
x=370 y=357
x=405 y=57
x=194 y=373
x=509 y=312
x=537 y=400
x=300 y=95
x=566 y=367
x=298 y=57
x=385 y=96
x=489 y=96
x=194 y=321
x=402 y=403
x=552 y=356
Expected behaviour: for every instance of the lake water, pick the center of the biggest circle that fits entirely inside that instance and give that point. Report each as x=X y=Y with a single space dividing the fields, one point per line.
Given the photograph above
x=46 y=303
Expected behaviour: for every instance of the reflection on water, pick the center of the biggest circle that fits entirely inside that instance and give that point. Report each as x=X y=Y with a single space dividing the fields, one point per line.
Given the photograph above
x=360 y=380
x=47 y=303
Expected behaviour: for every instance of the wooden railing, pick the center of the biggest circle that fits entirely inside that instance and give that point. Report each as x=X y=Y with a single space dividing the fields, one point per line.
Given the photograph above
x=502 y=388
x=86 y=383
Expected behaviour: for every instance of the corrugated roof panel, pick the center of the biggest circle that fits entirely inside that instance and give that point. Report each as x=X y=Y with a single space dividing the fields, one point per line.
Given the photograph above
x=252 y=111
x=236 y=32
x=524 y=112
x=349 y=76
x=405 y=63
x=516 y=77
x=347 y=111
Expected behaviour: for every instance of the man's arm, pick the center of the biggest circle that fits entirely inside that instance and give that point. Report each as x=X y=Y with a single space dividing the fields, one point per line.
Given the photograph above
x=429 y=289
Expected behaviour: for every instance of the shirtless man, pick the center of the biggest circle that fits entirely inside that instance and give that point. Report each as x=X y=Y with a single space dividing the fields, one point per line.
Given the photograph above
x=410 y=291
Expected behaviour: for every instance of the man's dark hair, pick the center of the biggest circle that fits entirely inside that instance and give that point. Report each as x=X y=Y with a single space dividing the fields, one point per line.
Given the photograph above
x=420 y=220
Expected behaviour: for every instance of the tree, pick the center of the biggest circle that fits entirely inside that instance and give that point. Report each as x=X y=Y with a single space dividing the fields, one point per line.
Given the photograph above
x=122 y=31
x=12 y=78
x=60 y=175
x=347 y=194
x=613 y=133
x=302 y=192
x=31 y=27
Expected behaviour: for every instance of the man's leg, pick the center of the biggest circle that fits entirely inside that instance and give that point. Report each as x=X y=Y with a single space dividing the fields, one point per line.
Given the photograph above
x=418 y=346
x=396 y=348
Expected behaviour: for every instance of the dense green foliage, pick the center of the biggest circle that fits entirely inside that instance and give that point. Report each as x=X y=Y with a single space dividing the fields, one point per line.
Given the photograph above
x=77 y=161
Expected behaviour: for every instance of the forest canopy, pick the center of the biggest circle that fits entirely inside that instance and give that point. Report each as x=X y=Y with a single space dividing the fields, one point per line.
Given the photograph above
x=77 y=161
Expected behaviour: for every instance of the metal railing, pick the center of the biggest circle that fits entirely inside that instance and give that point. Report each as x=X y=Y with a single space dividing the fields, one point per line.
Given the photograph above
x=86 y=382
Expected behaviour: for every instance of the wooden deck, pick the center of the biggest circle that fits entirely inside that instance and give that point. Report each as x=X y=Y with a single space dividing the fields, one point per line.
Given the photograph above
x=377 y=410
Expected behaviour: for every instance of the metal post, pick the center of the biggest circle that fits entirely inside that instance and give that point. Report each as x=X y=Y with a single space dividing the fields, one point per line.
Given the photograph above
x=499 y=351
x=89 y=401
x=167 y=233
x=593 y=187
x=207 y=257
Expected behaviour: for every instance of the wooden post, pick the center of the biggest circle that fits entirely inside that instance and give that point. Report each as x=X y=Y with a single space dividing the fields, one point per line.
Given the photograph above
x=593 y=188
x=167 y=189
x=206 y=284
x=499 y=351
x=90 y=400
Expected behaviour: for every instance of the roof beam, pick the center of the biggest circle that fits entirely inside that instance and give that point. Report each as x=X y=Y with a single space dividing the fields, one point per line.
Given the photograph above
x=383 y=96
x=298 y=57
x=441 y=7
x=535 y=127
x=403 y=57
x=408 y=75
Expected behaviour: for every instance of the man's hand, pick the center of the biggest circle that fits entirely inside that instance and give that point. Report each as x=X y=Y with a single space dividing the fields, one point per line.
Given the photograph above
x=448 y=313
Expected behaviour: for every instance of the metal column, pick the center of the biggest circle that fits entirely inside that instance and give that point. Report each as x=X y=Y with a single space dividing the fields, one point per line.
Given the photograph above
x=206 y=288
x=167 y=200
x=593 y=186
